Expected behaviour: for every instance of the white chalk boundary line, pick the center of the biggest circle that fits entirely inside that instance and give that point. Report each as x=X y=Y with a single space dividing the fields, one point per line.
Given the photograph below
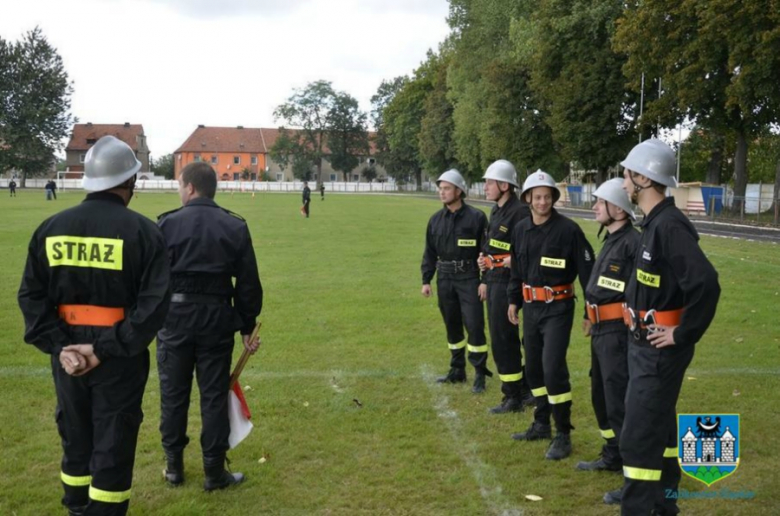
x=487 y=480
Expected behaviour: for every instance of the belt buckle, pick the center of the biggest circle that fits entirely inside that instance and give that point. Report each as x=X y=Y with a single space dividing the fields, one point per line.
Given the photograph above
x=549 y=294
x=595 y=309
x=531 y=293
x=649 y=319
x=631 y=322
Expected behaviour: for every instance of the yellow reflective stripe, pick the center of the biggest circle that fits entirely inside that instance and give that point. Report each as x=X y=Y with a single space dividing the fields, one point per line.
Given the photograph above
x=478 y=349
x=555 y=263
x=459 y=345
x=98 y=253
x=498 y=244
x=611 y=284
x=538 y=393
x=645 y=278
x=670 y=453
x=108 y=496
x=510 y=377
x=522 y=361
x=75 y=481
x=607 y=434
x=556 y=399
x=641 y=473
x=466 y=243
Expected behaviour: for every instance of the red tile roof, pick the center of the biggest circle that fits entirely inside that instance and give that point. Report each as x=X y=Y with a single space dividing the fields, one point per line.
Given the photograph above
x=229 y=139
x=83 y=132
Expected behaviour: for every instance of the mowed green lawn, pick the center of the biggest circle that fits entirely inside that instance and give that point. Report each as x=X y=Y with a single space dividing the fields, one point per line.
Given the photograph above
x=348 y=417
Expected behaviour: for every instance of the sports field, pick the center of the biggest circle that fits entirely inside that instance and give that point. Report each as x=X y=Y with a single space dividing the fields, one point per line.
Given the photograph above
x=348 y=418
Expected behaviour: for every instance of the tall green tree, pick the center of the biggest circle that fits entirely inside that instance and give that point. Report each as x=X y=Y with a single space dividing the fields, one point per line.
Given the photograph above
x=718 y=60
x=437 y=147
x=347 y=137
x=307 y=111
x=291 y=149
x=580 y=78
x=34 y=104
x=379 y=101
x=163 y=166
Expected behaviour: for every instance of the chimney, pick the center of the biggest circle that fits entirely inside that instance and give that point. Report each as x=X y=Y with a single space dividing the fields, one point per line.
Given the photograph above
x=127 y=124
x=240 y=127
x=89 y=124
x=201 y=126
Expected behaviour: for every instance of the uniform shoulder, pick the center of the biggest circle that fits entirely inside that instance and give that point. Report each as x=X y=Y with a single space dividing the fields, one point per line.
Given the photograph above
x=169 y=212
x=233 y=214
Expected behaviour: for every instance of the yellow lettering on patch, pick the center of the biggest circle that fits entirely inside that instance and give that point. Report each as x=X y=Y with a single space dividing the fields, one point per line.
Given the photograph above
x=467 y=243
x=651 y=280
x=97 y=253
x=555 y=263
x=500 y=245
x=611 y=284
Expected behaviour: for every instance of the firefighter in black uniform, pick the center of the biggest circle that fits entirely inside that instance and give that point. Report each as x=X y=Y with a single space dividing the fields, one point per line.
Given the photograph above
x=453 y=239
x=495 y=259
x=548 y=252
x=93 y=294
x=670 y=302
x=12 y=187
x=604 y=299
x=208 y=246
x=306 y=198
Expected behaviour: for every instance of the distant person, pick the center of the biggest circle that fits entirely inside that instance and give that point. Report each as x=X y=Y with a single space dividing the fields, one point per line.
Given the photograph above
x=322 y=191
x=54 y=189
x=306 y=199
x=12 y=187
x=94 y=292
x=453 y=238
x=49 y=191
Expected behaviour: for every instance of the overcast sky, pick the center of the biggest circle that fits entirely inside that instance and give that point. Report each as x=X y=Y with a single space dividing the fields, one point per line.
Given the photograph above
x=173 y=64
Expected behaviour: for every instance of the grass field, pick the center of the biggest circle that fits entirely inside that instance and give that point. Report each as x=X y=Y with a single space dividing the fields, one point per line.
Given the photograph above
x=347 y=415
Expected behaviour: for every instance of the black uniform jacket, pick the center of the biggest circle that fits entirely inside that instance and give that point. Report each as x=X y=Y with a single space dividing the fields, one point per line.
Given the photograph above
x=306 y=194
x=672 y=272
x=499 y=235
x=551 y=254
x=208 y=246
x=611 y=273
x=97 y=253
x=457 y=235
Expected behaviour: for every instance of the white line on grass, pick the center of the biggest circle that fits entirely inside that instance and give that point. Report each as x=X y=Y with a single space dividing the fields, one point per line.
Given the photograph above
x=489 y=486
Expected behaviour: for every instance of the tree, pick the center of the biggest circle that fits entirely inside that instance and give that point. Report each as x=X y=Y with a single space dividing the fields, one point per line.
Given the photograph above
x=437 y=147
x=369 y=173
x=34 y=104
x=290 y=149
x=347 y=137
x=163 y=166
x=307 y=111
x=580 y=78
x=382 y=98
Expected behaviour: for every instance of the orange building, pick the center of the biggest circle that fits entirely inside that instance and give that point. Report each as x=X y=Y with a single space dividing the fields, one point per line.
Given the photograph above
x=235 y=153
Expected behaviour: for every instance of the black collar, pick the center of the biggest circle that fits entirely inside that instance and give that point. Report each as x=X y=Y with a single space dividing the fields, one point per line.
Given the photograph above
x=105 y=196
x=202 y=201
x=658 y=208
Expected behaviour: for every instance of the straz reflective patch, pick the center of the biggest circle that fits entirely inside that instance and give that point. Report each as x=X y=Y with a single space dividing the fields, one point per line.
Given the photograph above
x=498 y=244
x=651 y=280
x=555 y=263
x=611 y=284
x=98 y=253
x=467 y=243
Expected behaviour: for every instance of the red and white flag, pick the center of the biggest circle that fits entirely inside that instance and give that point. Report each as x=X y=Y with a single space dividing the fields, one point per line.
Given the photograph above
x=239 y=415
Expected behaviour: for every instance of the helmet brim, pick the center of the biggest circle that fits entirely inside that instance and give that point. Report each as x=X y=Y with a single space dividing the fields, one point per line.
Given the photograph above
x=99 y=184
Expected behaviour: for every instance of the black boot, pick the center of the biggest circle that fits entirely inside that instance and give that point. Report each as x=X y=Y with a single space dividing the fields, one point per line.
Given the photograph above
x=77 y=511
x=456 y=375
x=560 y=448
x=599 y=465
x=217 y=477
x=613 y=497
x=535 y=432
x=527 y=398
x=174 y=468
x=508 y=405
x=479 y=383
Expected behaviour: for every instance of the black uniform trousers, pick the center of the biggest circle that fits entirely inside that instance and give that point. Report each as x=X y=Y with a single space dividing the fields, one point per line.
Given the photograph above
x=505 y=341
x=546 y=333
x=609 y=381
x=306 y=207
x=648 y=442
x=209 y=356
x=98 y=417
x=459 y=304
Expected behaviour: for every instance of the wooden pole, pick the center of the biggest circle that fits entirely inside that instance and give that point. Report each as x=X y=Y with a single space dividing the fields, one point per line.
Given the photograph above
x=244 y=357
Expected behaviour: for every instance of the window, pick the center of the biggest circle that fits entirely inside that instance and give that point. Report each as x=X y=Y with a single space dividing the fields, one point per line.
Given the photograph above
x=254 y=160
x=355 y=177
x=333 y=177
x=236 y=176
x=213 y=160
x=279 y=176
x=236 y=160
x=82 y=157
x=253 y=176
x=197 y=157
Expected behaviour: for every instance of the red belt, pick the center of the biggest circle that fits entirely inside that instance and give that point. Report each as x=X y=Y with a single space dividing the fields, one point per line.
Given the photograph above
x=603 y=313
x=547 y=294
x=643 y=318
x=493 y=261
x=91 y=315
